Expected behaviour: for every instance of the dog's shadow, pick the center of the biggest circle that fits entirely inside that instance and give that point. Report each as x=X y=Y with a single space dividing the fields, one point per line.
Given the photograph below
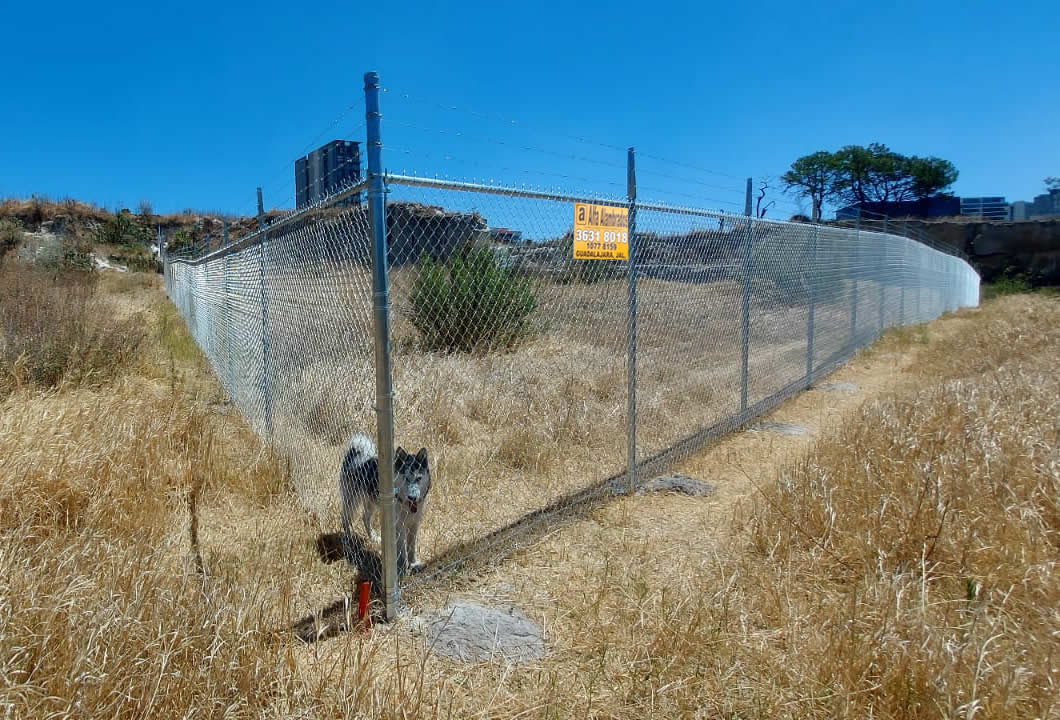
x=341 y=616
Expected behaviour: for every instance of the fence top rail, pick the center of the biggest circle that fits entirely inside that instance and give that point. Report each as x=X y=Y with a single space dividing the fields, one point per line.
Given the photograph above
x=510 y=191
x=257 y=236
x=505 y=190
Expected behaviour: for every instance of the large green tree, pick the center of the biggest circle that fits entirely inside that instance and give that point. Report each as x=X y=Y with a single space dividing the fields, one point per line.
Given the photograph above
x=1052 y=183
x=878 y=174
x=862 y=174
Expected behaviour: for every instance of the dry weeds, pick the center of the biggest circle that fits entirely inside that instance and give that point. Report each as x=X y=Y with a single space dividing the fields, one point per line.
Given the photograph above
x=905 y=567
x=55 y=330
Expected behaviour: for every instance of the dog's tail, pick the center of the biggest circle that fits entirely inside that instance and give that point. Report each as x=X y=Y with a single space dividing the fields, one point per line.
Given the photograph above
x=361 y=447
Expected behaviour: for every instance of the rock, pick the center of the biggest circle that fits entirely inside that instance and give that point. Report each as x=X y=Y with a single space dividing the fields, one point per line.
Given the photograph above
x=468 y=632
x=780 y=428
x=676 y=483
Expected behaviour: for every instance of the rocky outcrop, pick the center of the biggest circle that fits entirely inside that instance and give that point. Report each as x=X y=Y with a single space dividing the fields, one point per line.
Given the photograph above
x=1030 y=248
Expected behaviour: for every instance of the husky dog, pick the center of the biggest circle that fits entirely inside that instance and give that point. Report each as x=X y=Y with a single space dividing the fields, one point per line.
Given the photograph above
x=359 y=487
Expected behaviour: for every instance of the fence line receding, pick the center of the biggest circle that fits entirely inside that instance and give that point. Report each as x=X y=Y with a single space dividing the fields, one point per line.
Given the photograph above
x=511 y=360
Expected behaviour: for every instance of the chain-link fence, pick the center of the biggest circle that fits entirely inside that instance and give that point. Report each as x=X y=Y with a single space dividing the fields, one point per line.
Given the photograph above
x=513 y=361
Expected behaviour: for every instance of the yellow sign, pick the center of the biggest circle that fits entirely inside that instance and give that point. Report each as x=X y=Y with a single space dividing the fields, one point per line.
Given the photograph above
x=601 y=232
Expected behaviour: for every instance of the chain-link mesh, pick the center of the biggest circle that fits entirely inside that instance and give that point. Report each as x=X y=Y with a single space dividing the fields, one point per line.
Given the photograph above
x=510 y=356
x=284 y=317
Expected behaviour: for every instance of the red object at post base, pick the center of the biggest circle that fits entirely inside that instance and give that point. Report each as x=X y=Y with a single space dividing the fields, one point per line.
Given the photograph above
x=362 y=604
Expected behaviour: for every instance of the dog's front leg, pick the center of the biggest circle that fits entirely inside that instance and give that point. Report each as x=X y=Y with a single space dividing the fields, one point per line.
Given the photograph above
x=367 y=517
x=414 y=565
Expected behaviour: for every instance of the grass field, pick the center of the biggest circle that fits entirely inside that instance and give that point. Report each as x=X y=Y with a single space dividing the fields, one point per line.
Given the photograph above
x=900 y=564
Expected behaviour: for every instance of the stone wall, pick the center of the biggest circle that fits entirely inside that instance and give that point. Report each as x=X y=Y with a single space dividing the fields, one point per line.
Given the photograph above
x=1031 y=248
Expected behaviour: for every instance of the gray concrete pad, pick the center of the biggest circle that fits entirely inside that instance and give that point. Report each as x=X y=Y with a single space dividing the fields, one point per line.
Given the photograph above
x=678 y=484
x=840 y=387
x=781 y=428
x=469 y=632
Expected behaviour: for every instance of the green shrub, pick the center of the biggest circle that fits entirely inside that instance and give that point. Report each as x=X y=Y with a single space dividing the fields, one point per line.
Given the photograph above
x=10 y=235
x=121 y=229
x=184 y=239
x=1008 y=283
x=470 y=304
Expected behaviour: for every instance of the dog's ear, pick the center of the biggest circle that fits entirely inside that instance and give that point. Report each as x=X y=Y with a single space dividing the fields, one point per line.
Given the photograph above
x=421 y=456
x=400 y=456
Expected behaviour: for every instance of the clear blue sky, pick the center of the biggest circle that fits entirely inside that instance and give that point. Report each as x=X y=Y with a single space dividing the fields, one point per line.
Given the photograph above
x=194 y=104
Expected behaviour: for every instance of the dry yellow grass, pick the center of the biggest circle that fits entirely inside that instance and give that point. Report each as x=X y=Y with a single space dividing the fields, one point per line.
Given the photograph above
x=903 y=567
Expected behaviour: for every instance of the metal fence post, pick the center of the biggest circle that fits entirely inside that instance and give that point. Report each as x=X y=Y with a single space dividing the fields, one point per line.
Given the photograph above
x=261 y=212
x=855 y=273
x=384 y=389
x=631 y=350
x=901 y=275
x=883 y=276
x=162 y=260
x=745 y=317
x=229 y=382
x=919 y=276
x=266 y=360
x=812 y=301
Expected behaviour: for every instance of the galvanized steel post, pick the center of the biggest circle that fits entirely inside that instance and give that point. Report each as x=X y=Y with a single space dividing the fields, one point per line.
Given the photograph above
x=901 y=275
x=162 y=260
x=855 y=273
x=266 y=360
x=745 y=314
x=882 y=272
x=631 y=349
x=811 y=291
x=384 y=389
x=229 y=381
x=919 y=279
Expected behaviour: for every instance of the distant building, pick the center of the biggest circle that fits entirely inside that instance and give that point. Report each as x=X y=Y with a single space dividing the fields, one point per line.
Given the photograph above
x=987 y=208
x=941 y=206
x=1046 y=205
x=327 y=170
x=505 y=235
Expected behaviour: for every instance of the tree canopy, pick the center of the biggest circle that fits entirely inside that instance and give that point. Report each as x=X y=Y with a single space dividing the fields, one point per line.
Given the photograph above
x=873 y=173
x=1052 y=183
x=814 y=176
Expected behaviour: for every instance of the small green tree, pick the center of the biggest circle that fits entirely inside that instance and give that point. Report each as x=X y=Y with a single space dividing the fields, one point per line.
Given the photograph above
x=182 y=239
x=120 y=229
x=469 y=303
x=815 y=176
